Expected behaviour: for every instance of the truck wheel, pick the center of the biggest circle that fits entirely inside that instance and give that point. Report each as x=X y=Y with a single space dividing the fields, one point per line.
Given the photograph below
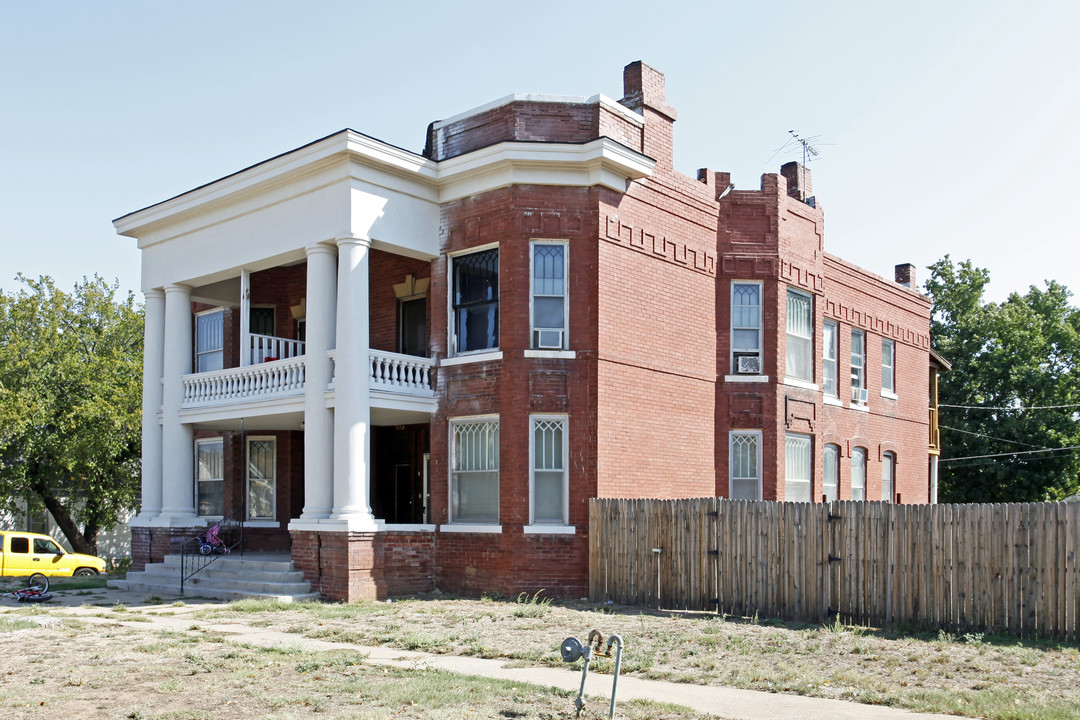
x=84 y=572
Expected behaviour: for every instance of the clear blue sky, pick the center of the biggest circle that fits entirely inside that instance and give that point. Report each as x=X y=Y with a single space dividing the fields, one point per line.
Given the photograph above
x=944 y=127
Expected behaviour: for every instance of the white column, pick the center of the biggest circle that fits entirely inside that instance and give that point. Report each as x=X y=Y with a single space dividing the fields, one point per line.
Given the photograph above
x=178 y=448
x=245 y=318
x=318 y=419
x=352 y=407
x=153 y=367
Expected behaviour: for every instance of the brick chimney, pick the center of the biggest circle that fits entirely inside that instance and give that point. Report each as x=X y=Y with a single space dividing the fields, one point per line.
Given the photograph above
x=905 y=275
x=643 y=92
x=799 y=185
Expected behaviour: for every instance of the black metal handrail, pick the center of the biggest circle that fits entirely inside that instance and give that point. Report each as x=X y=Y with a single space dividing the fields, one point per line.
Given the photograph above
x=231 y=536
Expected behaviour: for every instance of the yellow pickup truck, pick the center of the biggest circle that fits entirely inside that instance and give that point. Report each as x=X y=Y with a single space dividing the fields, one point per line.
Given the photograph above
x=23 y=553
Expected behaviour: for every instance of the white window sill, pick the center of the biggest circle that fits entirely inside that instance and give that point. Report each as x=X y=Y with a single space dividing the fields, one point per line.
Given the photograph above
x=474 y=358
x=795 y=382
x=832 y=400
x=860 y=408
x=889 y=395
x=464 y=528
x=555 y=354
x=409 y=527
x=262 y=523
x=548 y=529
x=746 y=378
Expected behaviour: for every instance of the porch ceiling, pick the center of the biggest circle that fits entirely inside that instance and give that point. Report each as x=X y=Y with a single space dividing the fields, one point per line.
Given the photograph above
x=280 y=421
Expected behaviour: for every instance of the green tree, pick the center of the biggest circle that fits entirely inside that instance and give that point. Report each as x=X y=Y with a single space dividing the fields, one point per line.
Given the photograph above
x=70 y=404
x=1020 y=354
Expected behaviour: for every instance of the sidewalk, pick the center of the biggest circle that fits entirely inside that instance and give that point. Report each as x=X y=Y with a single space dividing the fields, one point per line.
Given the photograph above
x=729 y=703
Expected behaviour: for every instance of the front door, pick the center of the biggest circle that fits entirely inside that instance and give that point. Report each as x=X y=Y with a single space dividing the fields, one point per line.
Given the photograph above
x=398 y=490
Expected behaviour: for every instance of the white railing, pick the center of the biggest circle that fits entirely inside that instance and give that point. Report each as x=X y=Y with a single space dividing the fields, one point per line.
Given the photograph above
x=394 y=372
x=254 y=382
x=267 y=348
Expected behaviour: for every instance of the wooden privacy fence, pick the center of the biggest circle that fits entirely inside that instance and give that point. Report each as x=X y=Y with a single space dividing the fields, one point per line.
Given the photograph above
x=996 y=568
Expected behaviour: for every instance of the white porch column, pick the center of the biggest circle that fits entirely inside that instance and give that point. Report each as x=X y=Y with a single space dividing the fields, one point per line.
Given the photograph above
x=321 y=317
x=153 y=367
x=178 y=449
x=352 y=408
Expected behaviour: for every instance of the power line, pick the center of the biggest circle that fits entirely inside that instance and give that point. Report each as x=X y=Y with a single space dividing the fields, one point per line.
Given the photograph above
x=1020 y=408
x=1012 y=454
x=988 y=437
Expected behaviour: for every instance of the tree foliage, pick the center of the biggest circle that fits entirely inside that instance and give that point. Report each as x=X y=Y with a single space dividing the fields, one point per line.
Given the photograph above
x=70 y=404
x=1018 y=354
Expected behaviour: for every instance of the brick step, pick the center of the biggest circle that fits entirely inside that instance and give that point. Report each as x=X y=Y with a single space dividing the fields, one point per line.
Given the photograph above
x=227 y=578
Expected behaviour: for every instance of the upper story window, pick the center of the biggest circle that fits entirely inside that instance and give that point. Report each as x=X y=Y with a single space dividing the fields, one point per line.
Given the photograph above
x=800 y=336
x=830 y=376
x=798 y=466
x=549 y=307
x=888 y=366
x=858 y=367
x=888 y=476
x=549 y=452
x=746 y=328
x=210 y=341
x=474 y=470
x=831 y=472
x=858 y=474
x=475 y=301
x=744 y=460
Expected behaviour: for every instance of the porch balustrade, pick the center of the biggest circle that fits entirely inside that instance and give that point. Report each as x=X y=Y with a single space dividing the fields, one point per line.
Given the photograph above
x=400 y=373
x=277 y=377
x=266 y=348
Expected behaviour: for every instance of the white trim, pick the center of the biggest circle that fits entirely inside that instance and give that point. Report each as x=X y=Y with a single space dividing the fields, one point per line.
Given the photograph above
x=811 y=358
x=598 y=99
x=760 y=325
x=746 y=378
x=889 y=395
x=409 y=527
x=826 y=322
x=564 y=420
x=548 y=529
x=731 y=446
x=474 y=357
x=551 y=354
x=246 y=464
x=565 y=244
x=471 y=250
x=795 y=382
x=450 y=423
x=195 y=340
x=463 y=528
x=860 y=407
x=830 y=400
x=262 y=523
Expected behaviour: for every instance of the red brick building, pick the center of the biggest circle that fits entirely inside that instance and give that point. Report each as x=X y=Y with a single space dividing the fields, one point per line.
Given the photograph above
x=439 y=358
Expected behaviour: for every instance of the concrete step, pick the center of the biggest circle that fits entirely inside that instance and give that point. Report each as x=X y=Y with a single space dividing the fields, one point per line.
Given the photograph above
x=228 y=577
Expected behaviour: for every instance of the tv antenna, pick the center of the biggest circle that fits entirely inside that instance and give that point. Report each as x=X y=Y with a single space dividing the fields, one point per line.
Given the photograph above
x=808 y=149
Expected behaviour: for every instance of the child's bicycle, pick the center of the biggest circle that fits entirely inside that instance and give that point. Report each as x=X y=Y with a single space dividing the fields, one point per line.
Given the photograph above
x=36 y=590
x=211 y=543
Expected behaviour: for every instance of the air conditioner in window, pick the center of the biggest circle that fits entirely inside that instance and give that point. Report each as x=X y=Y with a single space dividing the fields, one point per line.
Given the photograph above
x=859 y=395
x=748 y=365
x=548 y=339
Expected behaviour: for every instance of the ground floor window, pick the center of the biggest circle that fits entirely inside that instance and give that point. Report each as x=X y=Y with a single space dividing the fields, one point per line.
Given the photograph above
x=745 y=465
x=548 y=450
x=888 y=476
x=858 y=474
x=798 y=466
x=210 y=477
x=262 y=478
x=831 y=472
x=474 y=470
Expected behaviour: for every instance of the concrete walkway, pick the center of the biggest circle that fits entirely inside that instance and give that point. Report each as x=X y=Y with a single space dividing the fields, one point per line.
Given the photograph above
x=729 y=703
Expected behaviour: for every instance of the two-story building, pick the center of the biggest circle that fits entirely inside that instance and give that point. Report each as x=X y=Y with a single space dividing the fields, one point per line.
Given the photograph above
x=413 y=370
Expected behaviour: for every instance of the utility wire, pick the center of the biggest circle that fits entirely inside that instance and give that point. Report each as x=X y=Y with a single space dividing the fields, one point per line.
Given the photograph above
x=988 y=437
x=1018 y=452
x=1019 y=407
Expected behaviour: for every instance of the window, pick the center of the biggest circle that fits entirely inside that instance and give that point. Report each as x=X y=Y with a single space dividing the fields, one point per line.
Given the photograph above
x=831 y=475
x=261 y=325
x=210 y=477
x=20 y=545
x=798 y=468
x=828 y=367
x=888 y=366
x=745 y=461
x=45 y=546
x=474 y=474
x=858 y=474
x=888 y=475
x=262 y=478
x=549 y=453
x=800 y=336
x=858 y=367
x=210 y=341
x=412 y=327
x=549 y=296
x=746 y=328
x=475 y=300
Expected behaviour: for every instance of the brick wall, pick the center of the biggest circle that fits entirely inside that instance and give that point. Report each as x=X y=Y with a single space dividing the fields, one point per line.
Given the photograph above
x=385 y=271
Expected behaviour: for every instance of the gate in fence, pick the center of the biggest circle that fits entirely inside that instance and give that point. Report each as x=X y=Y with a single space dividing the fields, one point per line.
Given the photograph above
x=1011 y=568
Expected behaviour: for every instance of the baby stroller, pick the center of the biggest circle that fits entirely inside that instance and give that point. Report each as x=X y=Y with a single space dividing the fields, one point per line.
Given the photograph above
x=211 y=543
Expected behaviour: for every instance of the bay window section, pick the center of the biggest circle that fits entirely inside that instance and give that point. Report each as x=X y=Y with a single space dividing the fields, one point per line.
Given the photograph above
x=799 y=342
x=475 y=301
x=549 y=307
x=474 y=470
x=549 y=482
x=830 y=376
x=744 y=459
